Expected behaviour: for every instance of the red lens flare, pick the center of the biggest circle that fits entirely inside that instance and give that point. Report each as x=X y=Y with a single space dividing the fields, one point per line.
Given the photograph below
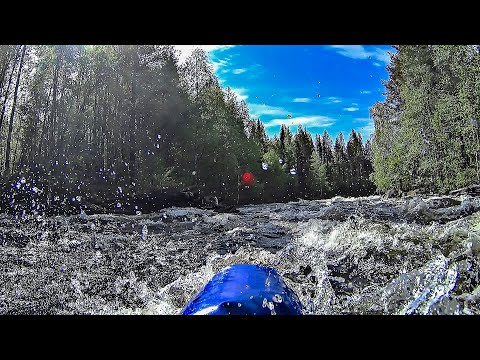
x=247 y=179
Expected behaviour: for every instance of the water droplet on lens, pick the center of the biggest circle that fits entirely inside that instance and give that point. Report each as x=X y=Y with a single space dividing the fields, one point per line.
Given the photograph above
x=277 y=298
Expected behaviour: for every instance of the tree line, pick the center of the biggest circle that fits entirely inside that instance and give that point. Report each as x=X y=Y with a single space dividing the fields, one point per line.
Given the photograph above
x=427 y=129
x=300 y=166
x=130 y=119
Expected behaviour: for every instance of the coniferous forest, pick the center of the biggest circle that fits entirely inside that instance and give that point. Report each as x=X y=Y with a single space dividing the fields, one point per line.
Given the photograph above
x=427 y=130
x=118 y=122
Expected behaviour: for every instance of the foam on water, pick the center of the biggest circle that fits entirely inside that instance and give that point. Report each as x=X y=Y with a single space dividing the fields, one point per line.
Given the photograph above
x=340 y=256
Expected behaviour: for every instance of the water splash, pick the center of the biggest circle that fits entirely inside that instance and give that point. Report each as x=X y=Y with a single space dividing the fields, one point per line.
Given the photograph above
x=340 y=256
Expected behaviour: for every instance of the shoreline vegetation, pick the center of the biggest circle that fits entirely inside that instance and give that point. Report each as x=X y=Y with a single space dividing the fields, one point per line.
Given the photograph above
x=127 y=129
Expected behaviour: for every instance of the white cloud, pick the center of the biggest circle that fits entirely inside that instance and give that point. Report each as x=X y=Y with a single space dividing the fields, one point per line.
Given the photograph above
x=315 y=121
x=351 y=109
x=254 y=71
x=241 y=93
x=238 y=71
x=360 y=52
x=367 y=130
x=377 y=64
x=262 y=109
x=354 y=104
x=334 y=100
x=218 y=63
x=365 y=92
x=186 y=50
x=302 y=100
x=361 y=120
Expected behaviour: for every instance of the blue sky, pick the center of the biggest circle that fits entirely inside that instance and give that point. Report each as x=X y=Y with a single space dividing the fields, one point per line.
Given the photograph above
x=322 y=87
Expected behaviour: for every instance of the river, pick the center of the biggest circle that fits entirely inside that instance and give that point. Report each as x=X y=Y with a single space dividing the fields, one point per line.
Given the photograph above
x=369 y=255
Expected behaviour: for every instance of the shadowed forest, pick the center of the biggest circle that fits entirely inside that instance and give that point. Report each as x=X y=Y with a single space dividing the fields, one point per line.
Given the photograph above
x=108 y=127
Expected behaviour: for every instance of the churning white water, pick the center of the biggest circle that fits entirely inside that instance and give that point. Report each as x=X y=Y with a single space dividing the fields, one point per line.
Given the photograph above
x=365 y=255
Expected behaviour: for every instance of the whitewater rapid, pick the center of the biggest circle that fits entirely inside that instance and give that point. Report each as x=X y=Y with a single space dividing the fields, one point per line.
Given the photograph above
x=365 y=255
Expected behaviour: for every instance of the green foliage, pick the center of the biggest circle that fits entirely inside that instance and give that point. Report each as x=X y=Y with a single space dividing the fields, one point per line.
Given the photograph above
x=303 y=151
x=107 y=116
x=425 y=131
x=319 y=181
x=275 y=178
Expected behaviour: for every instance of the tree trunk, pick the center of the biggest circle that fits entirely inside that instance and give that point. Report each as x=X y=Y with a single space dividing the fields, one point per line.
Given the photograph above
x=105 y=129
x=44 y=134
x=62 y=121
x=5 y=67
x=8 y=89
x=12 y=114
x=133 y=123
x=52 y=144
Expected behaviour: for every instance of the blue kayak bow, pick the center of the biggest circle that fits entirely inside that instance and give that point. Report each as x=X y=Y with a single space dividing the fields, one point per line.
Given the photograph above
x=245 y=289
